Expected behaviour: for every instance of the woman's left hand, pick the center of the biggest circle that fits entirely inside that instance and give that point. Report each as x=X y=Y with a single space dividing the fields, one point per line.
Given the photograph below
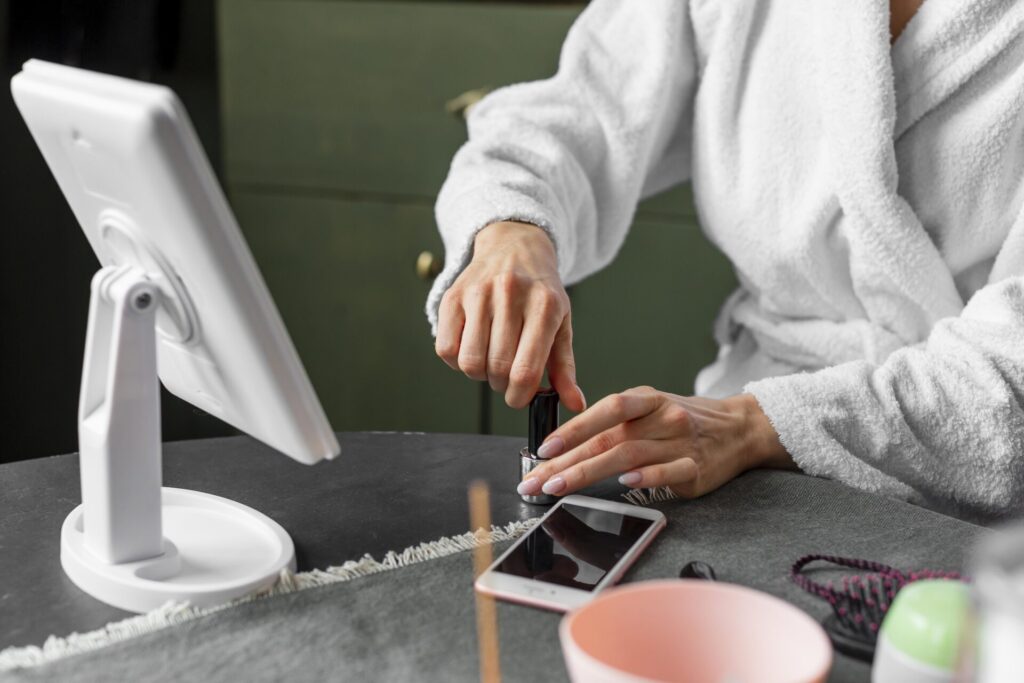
x=652 y=438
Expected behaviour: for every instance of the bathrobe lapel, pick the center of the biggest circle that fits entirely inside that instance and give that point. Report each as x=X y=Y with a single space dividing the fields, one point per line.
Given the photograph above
x=898 y=273
x=944 y=45
x=941 y=49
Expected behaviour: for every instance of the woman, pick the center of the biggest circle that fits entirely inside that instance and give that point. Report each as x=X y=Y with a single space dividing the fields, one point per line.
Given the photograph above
x=864 y=174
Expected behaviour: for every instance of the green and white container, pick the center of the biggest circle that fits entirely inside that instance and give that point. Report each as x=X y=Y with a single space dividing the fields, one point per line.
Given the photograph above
x=921 y=637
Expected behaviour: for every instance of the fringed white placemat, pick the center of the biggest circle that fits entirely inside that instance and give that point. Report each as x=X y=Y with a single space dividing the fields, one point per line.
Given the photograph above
x=173 y=613
x=650 y=496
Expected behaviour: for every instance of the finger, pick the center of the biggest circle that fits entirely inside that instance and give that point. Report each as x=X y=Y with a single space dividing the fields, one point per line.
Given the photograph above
x=475 y=335
x=605 y=414
x=562 y=369
x=543 y=318
x=450 y=320
x=601 y=443
x=682 y=474
x=627 y=456
x=506 y=328
x=653 y=426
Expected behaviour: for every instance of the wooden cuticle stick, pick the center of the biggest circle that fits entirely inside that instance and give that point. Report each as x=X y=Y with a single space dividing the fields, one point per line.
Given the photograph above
x=486 y=611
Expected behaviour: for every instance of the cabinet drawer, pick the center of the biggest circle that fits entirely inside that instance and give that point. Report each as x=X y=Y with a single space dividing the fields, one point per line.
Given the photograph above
x=646 y=318
x=351 y=95
x=343 y=276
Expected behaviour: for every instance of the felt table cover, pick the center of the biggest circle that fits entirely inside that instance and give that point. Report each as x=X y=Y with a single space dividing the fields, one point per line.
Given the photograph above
x=417 y=622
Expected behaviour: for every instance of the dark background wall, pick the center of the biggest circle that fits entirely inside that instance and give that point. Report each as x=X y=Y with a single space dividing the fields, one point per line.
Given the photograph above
x=45 y=261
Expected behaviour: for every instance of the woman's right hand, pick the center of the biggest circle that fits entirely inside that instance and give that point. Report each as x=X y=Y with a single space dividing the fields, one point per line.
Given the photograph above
x=506 y=317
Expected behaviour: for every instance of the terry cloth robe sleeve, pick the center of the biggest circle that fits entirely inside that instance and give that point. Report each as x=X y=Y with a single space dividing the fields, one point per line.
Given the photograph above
x=940 y=423
x=574 y=154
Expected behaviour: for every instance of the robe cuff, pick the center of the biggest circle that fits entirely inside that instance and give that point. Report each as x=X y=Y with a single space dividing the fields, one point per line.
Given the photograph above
x=815 y=416
x=464 y=216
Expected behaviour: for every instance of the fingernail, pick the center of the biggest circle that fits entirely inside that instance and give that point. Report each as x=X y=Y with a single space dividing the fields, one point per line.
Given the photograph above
x=551 y=447
x=582 y=397
x=630 y=478
x=553 y=486
x=528 y=487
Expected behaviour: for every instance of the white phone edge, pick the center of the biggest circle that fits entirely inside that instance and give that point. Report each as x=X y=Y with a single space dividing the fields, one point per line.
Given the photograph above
x=551 y=596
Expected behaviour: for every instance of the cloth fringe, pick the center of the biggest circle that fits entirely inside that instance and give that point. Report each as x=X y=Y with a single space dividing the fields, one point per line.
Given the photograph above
x=175 y=613
x=649 y=496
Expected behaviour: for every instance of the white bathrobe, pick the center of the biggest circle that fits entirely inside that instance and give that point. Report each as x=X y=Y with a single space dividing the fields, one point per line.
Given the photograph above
x=870 y=198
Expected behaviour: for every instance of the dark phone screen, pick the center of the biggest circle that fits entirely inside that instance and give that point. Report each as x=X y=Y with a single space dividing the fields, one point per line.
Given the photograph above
x=576 y=546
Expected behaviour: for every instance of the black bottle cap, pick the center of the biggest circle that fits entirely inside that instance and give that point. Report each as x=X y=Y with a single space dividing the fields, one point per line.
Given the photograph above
x=543 y=417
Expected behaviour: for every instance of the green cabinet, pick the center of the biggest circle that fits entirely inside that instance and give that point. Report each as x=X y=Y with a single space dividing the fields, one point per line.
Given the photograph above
x=340 y=274
x=336 y=141
x=351 y=96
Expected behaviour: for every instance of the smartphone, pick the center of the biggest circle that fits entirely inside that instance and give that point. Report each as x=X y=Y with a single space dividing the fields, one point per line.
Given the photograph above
x=580 y=547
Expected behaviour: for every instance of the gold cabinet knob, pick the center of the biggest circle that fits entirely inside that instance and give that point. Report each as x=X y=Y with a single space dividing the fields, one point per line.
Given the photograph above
x=461 y=104
x=428 y=266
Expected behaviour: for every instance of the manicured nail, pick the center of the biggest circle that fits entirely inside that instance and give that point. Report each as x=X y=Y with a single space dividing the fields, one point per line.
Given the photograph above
x=551 y=447
x=529 y=487
x=630 y=478
x=553 y=486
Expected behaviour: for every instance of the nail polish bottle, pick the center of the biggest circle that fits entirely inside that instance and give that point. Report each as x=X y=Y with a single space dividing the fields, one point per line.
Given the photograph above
x=543 y=420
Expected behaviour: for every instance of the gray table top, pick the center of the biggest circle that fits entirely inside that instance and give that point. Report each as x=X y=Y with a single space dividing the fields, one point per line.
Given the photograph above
x=386 y=492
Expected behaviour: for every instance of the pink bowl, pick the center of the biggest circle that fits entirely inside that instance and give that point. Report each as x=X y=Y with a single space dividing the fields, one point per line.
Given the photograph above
x=692 y=630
